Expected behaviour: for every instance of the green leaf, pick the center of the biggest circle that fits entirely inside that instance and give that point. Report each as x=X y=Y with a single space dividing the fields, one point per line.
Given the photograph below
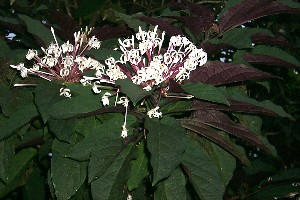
x=18 y=166
x=132 y=21
x=13 y=100
x=172 y=188
x=264 y=104
x=110 y=185
x=35 y=186
x=225 y=162
x=276 y=52
x=88 y=7
x=240 y=38
x=67 y=175
x=282 y=185
x=63 y=129
x=133 y=91
x=166 y=142
x=104 y=136
x=203 y=172
x=5 y=50
x=18 y=120
x=139 y=168
x=102 y=54
x=252 y=122
x=36 y=28
x=7 y=151
x=205 y=92
x=70 y=107
x=45 y=96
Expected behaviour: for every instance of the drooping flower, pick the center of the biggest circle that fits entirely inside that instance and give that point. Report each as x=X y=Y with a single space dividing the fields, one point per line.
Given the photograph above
x=125 y=102
x=66 y=62
x=104 y=99
x=154 y=113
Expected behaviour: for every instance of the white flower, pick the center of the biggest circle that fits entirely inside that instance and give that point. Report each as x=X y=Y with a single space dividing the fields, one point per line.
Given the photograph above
x=95 y=88
x=105 y=100
x=36 y=67
x=94 y=43
x=49 y=60
x=54 y=50
x=23 y=70
x=150 y=67
x=114 y=73
x=129 y=197
x=67 y=47
x=147 y=88
x=124 y=131
x=65 y=92
x=154 y=113
x=68 y=61
x=64 y=72
x=124 y=101
x=30 y=54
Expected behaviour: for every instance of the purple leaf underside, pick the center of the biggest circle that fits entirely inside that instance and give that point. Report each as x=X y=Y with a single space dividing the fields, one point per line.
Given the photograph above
x=209 y=133
x=267 y=60
x=251 y=9
x=221 y=121
x=219 y=73
x=234 y=106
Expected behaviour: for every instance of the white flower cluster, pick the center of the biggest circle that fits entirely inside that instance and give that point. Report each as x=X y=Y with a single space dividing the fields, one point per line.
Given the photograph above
x=64 y=62
x=148 y=65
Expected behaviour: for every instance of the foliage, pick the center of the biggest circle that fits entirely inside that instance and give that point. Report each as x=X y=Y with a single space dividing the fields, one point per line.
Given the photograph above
x=182 y=138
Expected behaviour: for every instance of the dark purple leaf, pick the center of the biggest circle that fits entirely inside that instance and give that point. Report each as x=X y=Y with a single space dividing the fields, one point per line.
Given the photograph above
x=201 y=20
x=219 y=73
x=163 y=24
x=266 y=60
x=108 y=31
x=234 y=106
x=174 y=87
x=261 y=38
x=68 y=25
x=209 y=133
x=221 y=121
x=251 y=9
x=195 y=24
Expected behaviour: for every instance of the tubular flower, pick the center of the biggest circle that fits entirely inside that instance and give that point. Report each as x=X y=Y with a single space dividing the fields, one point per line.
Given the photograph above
x=148 y=65
x=65 y=62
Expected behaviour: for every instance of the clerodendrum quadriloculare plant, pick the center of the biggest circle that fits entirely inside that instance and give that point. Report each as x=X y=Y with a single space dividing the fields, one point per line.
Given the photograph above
x=148 y=65
x=66 y=62
x=161 y=136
